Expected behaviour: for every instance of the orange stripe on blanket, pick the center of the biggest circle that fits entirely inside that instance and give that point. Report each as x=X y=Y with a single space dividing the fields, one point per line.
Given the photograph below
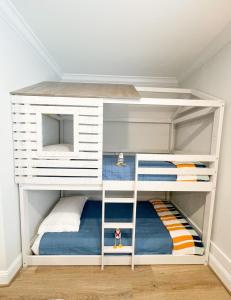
x=166 y=215
x=187 y=180
x=182 y=238
x=174 y=224
x=168 y=219
x=183 y=246
x=176 y=228
x=186 y=166
x=161 y=209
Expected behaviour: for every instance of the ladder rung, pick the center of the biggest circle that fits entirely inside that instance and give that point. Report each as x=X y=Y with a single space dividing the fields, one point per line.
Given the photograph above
x=119 y=200
x=118 y=225
x=111 y=249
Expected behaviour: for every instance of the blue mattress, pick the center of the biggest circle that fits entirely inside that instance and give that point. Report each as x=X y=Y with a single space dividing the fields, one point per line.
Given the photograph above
x=127 y=172
x=151 y=235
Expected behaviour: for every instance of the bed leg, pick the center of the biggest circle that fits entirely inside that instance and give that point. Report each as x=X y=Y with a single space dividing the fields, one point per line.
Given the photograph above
x=23 y=198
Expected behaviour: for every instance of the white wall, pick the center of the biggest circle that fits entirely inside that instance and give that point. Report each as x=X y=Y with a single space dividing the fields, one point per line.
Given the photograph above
x=214 y=77
x=130 y=128
x=194 y=136
x=21 y=65
x=39 y=205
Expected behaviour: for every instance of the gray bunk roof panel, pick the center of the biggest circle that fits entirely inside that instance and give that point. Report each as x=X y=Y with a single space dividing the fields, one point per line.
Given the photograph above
x=81 y=90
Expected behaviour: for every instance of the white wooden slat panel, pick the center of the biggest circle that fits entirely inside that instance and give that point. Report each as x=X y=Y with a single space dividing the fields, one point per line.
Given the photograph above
x=89 y=129
x=24 y=118
x=89 y=147
x=20 y=108
x=23 y=136
x=63 y=169
x=46 y=163
x=57 y=172
x=20 y=145
x=89 y=120
x=89 y=138
x=65 y=101
x=84 y=111
x=28 y=127
x=174 y=186
x=176 y=171
x=176 y=157
x=58 y=180
x=81 y=155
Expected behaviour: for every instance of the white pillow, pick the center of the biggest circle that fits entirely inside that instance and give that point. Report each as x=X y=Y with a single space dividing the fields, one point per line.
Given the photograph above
x=59 y=148
x=65 y=216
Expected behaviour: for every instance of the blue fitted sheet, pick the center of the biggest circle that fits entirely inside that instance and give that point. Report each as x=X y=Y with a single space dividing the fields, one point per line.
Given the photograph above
x=127 y=172
x=151 y=235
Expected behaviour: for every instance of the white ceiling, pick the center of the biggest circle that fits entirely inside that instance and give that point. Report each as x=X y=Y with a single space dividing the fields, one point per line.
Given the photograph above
x=125 y=37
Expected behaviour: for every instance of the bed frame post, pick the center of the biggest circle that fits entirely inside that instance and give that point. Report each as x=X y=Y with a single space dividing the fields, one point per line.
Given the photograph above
x=171 y=147
x=172 y=133
x=23 y=198
x=210 y=197
x=102 y=228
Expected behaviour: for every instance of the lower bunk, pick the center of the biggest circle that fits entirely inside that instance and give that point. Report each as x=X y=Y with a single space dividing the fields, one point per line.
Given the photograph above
x=163 y=235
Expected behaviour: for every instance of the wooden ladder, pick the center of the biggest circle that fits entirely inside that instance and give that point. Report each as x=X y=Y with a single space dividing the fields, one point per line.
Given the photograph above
x=128 y=225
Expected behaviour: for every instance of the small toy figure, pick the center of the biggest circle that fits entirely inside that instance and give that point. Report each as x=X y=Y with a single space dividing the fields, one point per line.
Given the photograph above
x=120 y=162
x=118 y=238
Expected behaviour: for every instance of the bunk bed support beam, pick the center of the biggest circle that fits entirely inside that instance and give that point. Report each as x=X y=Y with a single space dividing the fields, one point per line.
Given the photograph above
x=194 y=115
x=210 y=198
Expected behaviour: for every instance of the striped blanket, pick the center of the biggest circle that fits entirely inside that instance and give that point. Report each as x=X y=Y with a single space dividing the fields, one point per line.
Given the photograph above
x=191 y=177
x=185 y=239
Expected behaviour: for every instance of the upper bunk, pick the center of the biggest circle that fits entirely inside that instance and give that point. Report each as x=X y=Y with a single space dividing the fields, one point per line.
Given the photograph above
x=61 y=130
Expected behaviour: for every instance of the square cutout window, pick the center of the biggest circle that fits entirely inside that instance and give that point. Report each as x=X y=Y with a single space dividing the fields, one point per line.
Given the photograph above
x=57 y=132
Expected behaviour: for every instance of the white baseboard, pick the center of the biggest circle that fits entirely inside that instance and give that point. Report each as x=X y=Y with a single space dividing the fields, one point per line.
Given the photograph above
x=7 y=275
x=221 y=265
x=136 y=80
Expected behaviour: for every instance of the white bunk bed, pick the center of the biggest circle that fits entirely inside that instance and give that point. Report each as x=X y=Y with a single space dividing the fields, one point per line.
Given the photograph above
x=80 y=166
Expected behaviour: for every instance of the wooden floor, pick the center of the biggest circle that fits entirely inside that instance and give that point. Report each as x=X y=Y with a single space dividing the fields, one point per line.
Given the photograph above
x=90 y=283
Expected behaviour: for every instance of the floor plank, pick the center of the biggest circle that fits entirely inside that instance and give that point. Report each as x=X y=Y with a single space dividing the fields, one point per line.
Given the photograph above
x=90 y=283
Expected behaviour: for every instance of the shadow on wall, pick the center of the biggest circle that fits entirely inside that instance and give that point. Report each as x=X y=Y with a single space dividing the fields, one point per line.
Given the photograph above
x=191 y=205
x=195 y=136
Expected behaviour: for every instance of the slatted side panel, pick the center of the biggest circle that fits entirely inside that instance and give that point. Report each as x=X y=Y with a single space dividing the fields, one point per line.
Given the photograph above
x=82 y=167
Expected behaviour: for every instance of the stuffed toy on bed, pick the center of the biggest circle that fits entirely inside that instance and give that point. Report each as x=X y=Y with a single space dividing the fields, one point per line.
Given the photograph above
x=118 y=238
x=120 y=162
